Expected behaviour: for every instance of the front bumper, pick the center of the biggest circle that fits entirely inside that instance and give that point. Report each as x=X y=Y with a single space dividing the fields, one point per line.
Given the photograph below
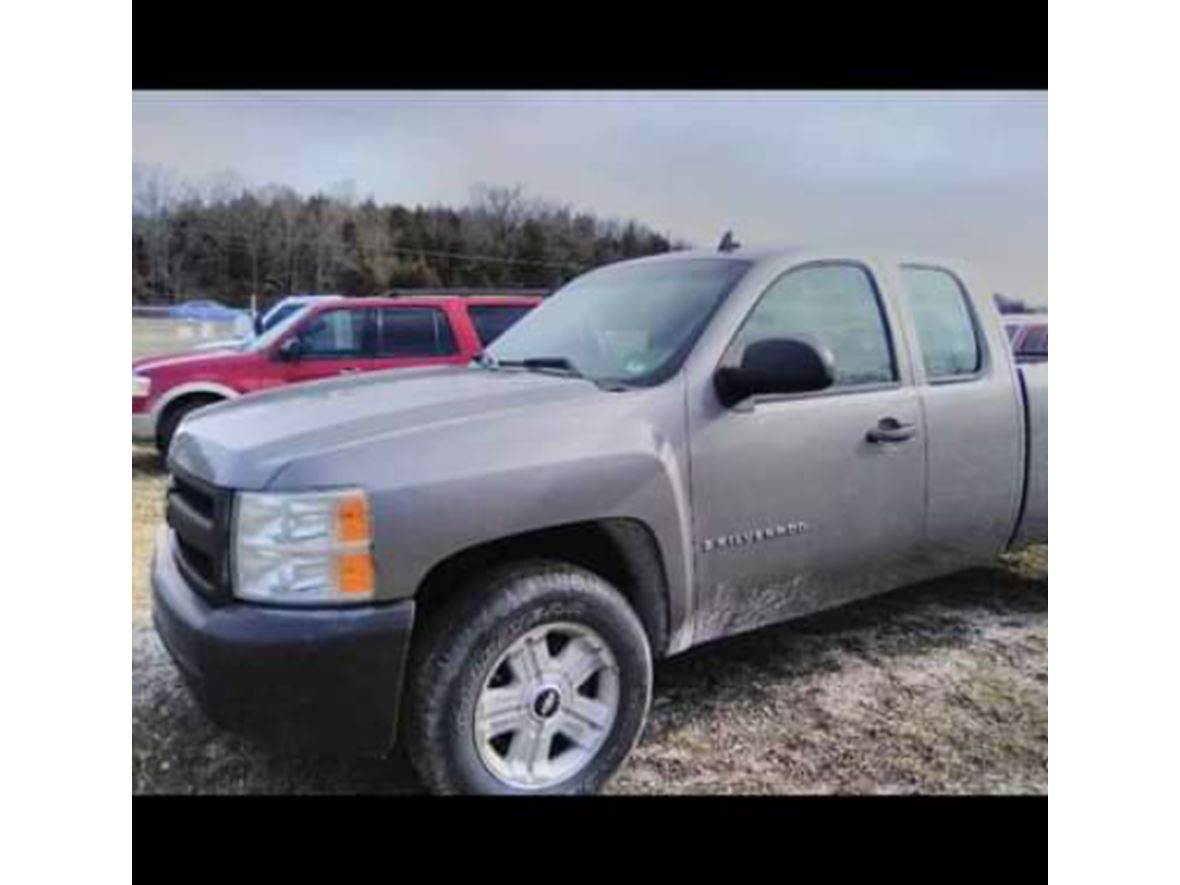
x=329 y=678
x=143 y=427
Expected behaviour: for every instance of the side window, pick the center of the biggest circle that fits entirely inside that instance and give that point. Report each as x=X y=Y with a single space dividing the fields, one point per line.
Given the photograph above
x=832 y=305
x=946 y=331
x=334 y=334
x=492 y=321
x=415 y=331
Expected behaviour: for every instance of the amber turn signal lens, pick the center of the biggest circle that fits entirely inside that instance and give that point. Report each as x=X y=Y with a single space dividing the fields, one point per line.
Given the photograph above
x=354 y=573
x=352 y=520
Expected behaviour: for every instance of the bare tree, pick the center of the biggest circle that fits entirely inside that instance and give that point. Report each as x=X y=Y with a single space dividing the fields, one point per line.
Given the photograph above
x=154 y=192
x=285 y=209
x=255 y=227
x=229 y=240
x=504 y=208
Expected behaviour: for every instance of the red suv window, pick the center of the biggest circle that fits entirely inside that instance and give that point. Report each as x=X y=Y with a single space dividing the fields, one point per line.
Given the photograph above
x=415 y=331
x=493 y=320
x=337 y=334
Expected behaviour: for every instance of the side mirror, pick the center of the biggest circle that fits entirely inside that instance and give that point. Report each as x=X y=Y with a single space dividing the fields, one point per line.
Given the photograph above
x=776 y=365
x=290 y=350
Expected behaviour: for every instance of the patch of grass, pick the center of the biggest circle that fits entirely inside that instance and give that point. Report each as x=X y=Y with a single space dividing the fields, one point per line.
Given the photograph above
x=157 y=336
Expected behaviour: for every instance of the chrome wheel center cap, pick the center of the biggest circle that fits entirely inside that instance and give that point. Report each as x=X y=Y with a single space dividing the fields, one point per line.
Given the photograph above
x=546 y=702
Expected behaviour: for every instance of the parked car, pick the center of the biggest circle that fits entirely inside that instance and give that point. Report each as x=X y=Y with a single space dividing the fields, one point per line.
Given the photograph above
x=1029 y=336
x=485 y=559
x=338 y=336
x=205 y=311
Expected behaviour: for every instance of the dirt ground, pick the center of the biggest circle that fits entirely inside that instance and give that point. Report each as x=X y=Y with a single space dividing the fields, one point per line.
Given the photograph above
x=939 y=688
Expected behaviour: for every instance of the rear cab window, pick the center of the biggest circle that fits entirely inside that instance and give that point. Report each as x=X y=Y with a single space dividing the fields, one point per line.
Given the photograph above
x=948 y=336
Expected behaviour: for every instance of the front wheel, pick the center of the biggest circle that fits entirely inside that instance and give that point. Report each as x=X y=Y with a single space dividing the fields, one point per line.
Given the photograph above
x=536 y=679
x=173 y=415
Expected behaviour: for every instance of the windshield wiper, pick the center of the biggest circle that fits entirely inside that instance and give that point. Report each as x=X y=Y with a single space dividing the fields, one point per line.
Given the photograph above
x=559 y=364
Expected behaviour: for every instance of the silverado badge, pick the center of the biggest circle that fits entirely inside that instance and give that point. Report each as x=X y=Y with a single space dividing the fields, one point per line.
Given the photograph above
x=753 y=536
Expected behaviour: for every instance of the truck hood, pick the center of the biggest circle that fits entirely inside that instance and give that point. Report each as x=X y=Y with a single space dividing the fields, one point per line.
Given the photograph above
x=244 y=443
x=225 y=353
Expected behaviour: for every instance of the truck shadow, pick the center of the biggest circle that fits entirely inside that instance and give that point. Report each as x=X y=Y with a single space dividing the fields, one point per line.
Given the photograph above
x=146 y=463
x=177 y=750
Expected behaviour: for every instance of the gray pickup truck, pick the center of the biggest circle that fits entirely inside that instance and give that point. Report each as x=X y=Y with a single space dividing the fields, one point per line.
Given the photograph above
x=483 y=561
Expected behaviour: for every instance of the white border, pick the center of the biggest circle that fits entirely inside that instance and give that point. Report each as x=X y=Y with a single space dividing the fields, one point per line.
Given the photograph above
x=64 y=658
x=1114 y=233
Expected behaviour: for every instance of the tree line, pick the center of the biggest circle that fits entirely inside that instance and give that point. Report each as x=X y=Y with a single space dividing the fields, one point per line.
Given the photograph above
x=229 y=241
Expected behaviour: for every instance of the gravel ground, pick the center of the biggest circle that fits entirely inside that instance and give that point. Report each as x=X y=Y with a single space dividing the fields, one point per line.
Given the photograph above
x=938 y=688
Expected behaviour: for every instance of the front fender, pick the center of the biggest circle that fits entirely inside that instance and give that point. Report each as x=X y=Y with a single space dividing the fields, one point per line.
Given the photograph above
x=437 y=494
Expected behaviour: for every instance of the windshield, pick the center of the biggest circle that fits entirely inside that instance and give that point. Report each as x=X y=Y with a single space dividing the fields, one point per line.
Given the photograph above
x=632 y=324
x=279 y=313
x=276 y=331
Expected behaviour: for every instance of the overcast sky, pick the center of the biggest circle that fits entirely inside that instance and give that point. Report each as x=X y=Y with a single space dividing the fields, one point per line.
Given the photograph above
x=960 y=173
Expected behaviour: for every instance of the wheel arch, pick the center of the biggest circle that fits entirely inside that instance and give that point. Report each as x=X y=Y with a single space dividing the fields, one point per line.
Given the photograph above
x=623 y=551
x=195 y=388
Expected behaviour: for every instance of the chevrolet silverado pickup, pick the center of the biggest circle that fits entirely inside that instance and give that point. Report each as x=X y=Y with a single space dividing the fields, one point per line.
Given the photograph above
x=482 y=561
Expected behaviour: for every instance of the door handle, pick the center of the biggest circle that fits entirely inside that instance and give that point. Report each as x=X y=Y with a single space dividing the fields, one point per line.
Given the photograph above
x=349 y=371
x=891 y=430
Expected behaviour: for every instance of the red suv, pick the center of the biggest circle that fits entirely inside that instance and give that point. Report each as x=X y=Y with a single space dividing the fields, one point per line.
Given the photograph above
x=1029 y=337
x=335 y=337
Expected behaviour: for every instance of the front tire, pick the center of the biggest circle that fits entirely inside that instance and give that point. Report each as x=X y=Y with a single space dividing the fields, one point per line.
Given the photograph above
x=533 y=679
x=172 y=417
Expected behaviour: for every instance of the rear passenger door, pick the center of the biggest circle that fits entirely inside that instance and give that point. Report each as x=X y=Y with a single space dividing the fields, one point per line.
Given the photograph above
x=415 y=336
x=974 y=429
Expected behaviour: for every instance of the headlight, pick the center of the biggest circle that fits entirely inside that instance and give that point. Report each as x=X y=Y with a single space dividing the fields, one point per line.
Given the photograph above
x=141 y=385
x=306 y=548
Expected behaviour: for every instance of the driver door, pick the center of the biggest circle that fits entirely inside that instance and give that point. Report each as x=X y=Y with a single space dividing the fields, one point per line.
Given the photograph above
x=335 y=341
x=796 y=509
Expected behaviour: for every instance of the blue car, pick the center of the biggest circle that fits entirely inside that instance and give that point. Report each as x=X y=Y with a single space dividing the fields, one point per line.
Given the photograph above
x=206 y=311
